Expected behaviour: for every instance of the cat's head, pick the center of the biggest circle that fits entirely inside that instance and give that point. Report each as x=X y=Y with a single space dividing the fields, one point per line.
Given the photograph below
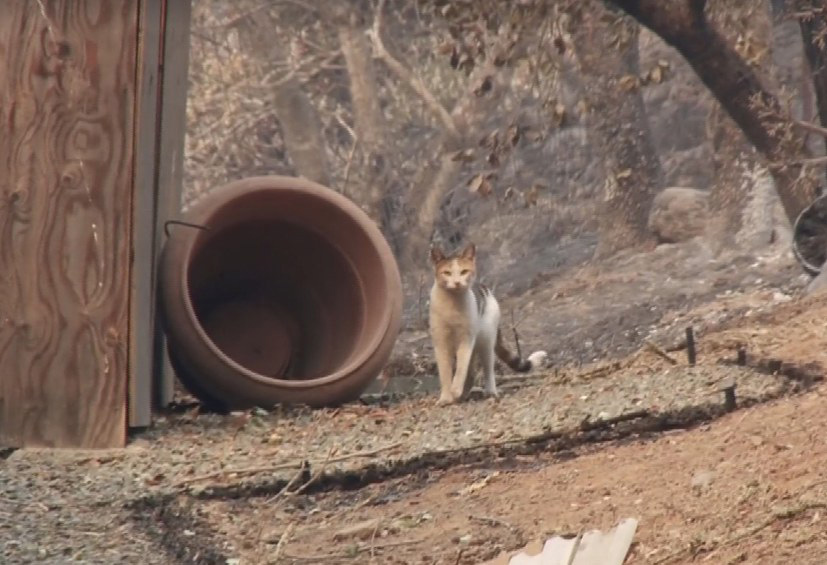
x=456 y=272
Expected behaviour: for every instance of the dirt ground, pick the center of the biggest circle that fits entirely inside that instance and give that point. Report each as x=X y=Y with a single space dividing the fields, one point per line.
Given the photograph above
x=611 y=430
x=745 y=488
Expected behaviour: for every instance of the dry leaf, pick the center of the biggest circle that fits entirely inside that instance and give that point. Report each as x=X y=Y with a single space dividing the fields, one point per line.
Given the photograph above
x=485 y=86
x=475 y=183
x=486 y=189
x=446 y=48
x=513 y=135
x=491 y=140
x=466 y=156
x=530 y=196
x=478 y=485
x=628 y=82
x=559 y=44
x=625 y=173
x=559 y=114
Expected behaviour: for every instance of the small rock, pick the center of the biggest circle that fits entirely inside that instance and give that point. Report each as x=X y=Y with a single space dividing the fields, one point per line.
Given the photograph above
x=702 y=479
x=466 y=539
x=678 y=214
x=361 y=530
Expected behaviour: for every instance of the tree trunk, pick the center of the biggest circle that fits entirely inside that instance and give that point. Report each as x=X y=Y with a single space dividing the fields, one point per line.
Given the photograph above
x=300 y=124
x=369 y=120
x=302 y=131
x=606 y=47
x=814 y=36
x=747 y=27
x=683 y=25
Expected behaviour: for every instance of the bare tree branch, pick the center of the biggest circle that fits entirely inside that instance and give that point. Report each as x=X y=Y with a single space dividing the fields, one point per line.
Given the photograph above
x=410 y=79
x=811 y=127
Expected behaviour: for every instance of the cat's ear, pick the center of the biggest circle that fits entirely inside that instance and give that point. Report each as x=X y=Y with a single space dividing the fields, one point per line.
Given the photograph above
x=436 y=254
x=469 y=252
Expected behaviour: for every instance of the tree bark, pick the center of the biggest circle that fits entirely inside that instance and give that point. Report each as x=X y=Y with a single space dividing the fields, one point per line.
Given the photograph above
x=747 y=27
x=302 y=131
x=368 y=118
x=301 y=126
x=683 y=25
x=606 y=47
x=814 y=36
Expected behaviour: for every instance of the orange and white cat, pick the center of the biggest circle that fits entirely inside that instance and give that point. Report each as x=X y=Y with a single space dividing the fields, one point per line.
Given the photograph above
x=465 y=327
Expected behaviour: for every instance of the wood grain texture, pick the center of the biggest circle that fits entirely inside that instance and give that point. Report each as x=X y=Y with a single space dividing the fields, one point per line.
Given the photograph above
x=141 y=316
x=67 y=91
x=173 y=125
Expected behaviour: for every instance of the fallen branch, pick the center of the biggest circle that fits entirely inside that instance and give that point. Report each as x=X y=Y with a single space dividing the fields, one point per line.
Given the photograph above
x=285 y=536
x=318 y=474
x=612 y=367
x=285 y=466
x=290 y=484
x=591 y=425
x=653 y=347
x=353 y=552
x=491 y=521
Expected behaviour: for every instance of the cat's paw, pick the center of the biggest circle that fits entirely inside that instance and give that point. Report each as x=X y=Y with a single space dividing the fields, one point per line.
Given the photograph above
x=445 y=399
x=457 y=392
x=538 y=359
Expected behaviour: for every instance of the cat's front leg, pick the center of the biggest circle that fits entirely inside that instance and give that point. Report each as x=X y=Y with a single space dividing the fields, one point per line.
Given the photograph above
x=464 y=353
x=443 y=364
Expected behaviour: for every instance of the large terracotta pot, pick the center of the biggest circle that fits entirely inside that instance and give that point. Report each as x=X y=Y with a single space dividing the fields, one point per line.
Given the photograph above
x=291 y=295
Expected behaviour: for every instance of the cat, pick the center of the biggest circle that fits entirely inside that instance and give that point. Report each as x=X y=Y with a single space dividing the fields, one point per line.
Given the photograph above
x=464 y=321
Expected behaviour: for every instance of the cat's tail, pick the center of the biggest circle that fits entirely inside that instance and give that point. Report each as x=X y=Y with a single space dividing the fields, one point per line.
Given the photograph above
x=514 y=361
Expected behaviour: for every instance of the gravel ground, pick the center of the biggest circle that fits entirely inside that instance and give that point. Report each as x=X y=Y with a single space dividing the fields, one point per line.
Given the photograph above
x=68 y=506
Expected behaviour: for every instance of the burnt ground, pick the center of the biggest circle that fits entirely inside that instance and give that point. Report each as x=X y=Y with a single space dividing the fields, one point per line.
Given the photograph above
x=576 y=447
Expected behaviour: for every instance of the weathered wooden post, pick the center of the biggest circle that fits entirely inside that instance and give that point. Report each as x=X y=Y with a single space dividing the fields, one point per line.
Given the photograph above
x=85 y=179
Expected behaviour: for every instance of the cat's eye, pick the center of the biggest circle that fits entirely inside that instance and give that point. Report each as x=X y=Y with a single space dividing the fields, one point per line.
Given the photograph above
x=464 y=272
x=446 y=273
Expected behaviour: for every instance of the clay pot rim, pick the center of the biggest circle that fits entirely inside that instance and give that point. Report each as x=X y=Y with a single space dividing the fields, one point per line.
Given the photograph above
x=270 y=183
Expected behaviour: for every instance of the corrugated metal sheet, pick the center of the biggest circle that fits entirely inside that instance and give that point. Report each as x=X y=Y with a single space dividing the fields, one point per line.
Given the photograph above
x=591 y=548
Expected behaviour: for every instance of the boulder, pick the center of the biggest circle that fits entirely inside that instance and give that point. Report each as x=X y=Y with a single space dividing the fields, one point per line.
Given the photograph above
x=678 y=214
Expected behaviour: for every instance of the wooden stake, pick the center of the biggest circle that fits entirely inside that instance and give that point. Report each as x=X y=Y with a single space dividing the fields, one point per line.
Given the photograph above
x=728 y=388
x=690 y=346
x=742 y=356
